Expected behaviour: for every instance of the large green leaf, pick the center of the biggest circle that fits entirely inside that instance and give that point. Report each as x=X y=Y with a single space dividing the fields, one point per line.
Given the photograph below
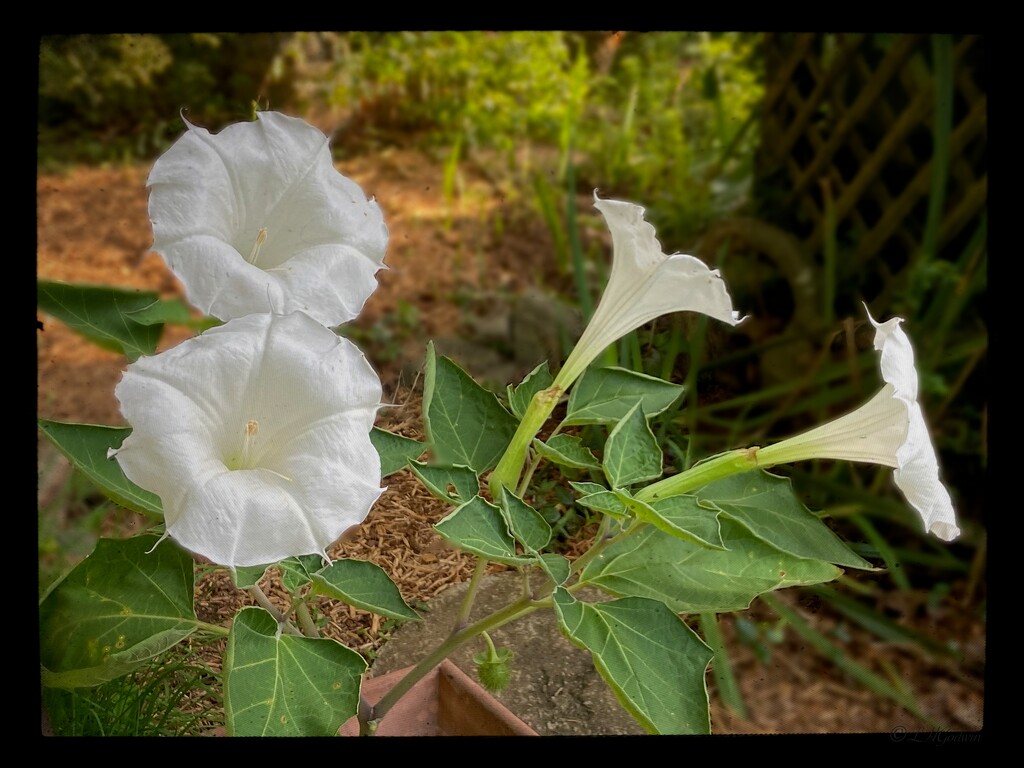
x=454 y=485
x=285 y=685
x=103 y=315
x=680 y=516
x=395 y=450
x=567 y=451
x=766 y=505
x=519 y=398
x=479 y=527
x=465 y=423
x=86 y=446
x=690 y=578
x=364 y=585
x=605 y=395
x=653 y=662
x=116 y=609
x=631 y=453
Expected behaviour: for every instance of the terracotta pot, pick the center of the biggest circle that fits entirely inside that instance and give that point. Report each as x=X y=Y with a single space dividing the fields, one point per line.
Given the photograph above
x=446 y=702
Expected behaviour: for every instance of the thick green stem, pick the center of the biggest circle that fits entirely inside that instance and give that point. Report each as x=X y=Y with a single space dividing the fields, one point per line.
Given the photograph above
x=506 y=474
x=715 y=468
x=305 y=620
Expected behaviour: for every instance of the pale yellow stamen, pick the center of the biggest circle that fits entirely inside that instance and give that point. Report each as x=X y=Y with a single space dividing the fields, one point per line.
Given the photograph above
x=251 y=428
x=261 y=238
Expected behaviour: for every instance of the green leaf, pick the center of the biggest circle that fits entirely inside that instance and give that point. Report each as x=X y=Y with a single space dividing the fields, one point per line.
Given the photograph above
x=680 y=516
x=479 y=527
x=395 y=450
x=536 y=380
x=296 y=572
x=116 y=609
x=86 y=446
x=766 y=505
x=556 y=566
x=172 y=311
x=454 y=485
x=524 y=522
x=102 y=315
x=690 y=578
x=465 y=423
x=286 y=685
x=600 y=499
x=653 y=662
x=567 y=451
x=604 y=395
x=364 y=585
x=631 y=454
x=246 y=576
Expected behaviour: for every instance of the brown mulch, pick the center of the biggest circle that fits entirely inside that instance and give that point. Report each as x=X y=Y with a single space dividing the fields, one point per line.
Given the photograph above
x=93 y=227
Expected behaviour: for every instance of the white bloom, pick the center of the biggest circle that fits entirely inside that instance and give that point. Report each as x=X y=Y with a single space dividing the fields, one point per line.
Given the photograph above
x=644 y=284
x=257 y=219
x=889 y=429
x=256 y=437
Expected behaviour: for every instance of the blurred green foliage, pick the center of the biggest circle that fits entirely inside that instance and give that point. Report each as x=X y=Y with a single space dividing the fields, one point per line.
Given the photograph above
x=118 y=97
x=654 y=116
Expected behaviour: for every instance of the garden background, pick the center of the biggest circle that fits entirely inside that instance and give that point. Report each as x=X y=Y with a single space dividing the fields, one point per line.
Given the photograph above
x=816 y=171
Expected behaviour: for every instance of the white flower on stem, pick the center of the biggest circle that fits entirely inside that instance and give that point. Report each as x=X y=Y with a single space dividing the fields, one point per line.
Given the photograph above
x=644 y=284
x=889 y=429
x=256 y=437
x=257 y=219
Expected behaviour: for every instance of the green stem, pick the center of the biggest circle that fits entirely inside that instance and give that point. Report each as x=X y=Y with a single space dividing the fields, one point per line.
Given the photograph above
x=305 y=620
x=213 y=629
x=467 y=601
x=264 y=602
x=513 y=611
x=524 y=484
x=603 y=541
x=491 y=650
x=715 y=468
x=506 y=474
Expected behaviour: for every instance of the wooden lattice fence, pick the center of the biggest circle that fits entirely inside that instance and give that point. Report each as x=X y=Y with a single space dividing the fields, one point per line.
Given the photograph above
x=850 y=147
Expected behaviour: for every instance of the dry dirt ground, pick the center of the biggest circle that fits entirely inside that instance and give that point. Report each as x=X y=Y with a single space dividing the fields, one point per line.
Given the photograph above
x=444 y=259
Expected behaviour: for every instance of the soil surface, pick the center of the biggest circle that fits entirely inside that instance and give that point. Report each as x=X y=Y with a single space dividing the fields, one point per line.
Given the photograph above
x=452 y=268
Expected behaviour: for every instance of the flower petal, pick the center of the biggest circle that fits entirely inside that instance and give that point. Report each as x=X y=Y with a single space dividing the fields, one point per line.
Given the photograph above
x=257 y=219
x=644 y=284
x=917 y=473
x=255 y=435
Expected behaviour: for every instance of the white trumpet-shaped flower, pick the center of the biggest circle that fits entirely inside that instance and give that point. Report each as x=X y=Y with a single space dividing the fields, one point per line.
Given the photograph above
x=257 y=219
x=256 y=437
x=889 y=429
x=644 y=284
